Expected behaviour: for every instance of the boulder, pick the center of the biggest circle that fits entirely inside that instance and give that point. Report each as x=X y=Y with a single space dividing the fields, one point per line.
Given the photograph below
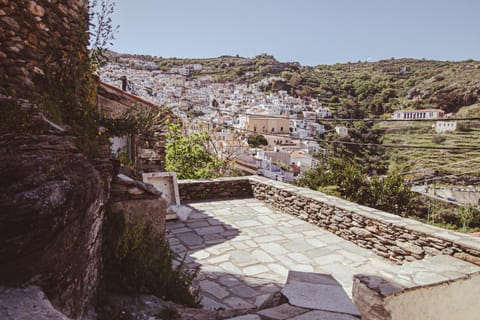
x=52 y=201
x=27 y=303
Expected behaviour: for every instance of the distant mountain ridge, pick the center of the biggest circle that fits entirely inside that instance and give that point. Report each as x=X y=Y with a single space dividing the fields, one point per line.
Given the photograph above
x=374 y=88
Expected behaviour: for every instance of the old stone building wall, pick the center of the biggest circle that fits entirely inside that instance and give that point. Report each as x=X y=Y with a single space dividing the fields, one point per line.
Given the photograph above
x=40 y=40
x=52 y=194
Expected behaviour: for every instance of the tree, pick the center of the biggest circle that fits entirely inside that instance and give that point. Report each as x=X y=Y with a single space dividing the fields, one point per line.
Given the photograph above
x=188 y=155
x=102 y=30
x=257 y=140
x=346 y=178
x=215 y=103
x=391 y=194
x=467 y=214
x=362 y=146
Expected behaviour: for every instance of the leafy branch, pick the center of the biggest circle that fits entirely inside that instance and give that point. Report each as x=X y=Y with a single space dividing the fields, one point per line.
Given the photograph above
x=102 y=31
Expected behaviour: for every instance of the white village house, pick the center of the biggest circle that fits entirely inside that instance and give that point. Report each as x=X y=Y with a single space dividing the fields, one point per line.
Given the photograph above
x=418 y=114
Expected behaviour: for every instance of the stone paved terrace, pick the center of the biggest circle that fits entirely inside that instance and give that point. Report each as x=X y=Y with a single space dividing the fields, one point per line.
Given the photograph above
x=245 y=249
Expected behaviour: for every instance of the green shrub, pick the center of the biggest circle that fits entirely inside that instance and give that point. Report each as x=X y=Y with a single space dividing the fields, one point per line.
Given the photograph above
x=464 y=127
x=467 y=214
x=438 y=139
x=136 y=261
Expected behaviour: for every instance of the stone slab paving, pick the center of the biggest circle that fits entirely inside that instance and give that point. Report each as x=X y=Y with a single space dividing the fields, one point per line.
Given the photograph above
x=244 y=251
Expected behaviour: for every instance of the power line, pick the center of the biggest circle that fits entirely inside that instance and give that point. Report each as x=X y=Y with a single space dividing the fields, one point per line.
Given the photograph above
x=342 y=119
x=396 y=146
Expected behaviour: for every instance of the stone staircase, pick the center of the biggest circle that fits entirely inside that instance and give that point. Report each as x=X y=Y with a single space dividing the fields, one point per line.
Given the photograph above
x=309 y=296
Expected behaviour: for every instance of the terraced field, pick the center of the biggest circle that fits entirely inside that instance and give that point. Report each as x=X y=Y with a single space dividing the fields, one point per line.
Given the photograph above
x=425 y=161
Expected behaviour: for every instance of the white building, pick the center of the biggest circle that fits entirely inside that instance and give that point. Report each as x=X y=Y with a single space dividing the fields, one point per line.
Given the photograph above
x=418 y=114
x=445 y=126
x=323 y=112
x=341 y=131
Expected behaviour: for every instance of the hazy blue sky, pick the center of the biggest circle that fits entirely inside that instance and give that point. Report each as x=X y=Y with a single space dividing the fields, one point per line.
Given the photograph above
x=309 y=31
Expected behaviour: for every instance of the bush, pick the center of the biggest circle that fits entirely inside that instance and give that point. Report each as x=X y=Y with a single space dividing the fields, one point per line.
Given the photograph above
x=344 y=178
x=137 y=262
x=464 y=127
x=467 y=214
x=438 y=139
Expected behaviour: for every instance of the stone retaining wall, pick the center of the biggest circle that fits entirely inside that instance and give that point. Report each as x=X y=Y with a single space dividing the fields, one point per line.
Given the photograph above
x=223 y=188
x=390 y=236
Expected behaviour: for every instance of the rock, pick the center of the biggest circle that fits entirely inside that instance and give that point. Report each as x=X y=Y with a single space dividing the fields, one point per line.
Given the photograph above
x=324 y=315
x=36 y=9
x=317 y=291
x=27 y=303
x=148 y=307
x=125 y=180
x=368 y=294
x=284 y=311
x=247 y=317
x=51 y=212
x=11 y=23
x=361 y=232
x=135 y=191
x=409 y=247
x=468 y=257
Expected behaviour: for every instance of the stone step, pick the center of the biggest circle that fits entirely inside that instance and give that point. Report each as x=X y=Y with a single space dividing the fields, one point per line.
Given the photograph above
x=318 y=291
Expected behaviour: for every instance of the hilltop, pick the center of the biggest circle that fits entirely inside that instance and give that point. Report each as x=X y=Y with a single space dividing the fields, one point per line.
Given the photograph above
x=374 y=88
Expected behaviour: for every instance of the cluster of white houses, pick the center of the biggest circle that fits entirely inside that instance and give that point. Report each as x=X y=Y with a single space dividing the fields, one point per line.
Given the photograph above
x=233 y=111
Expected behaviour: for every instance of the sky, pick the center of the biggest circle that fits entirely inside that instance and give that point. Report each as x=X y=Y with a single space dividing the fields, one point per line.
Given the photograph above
x=311 y=32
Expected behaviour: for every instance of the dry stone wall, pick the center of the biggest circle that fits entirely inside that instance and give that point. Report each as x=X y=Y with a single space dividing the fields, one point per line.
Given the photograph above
x=390 y=236
x=52 y=197
x=39 y=39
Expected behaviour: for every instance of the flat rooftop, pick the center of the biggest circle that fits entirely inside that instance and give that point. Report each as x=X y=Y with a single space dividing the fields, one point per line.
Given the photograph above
x=244 y=250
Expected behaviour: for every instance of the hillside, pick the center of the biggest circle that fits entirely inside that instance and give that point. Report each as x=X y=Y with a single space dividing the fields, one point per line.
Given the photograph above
x=376 y=88
x=360 y=90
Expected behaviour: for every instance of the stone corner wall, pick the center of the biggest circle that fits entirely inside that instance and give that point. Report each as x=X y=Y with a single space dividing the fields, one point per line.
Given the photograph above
x=378 y=299
x=150 y=212
x=38 y=39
